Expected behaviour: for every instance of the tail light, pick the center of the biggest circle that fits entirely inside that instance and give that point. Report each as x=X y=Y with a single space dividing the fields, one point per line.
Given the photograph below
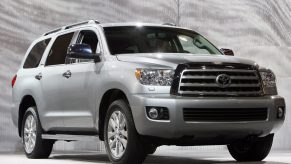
x=13 y=80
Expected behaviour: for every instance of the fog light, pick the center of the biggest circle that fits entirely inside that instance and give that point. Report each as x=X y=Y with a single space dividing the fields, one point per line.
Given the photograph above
x=157 y=113
x=280 y=112
x=153 y=113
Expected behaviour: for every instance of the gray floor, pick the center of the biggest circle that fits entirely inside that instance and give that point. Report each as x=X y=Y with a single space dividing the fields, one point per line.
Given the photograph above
x=160 y=157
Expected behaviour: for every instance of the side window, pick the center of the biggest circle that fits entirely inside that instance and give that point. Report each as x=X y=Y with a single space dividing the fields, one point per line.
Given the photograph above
x=89 y=37
x=36 y=53
x=58 y=52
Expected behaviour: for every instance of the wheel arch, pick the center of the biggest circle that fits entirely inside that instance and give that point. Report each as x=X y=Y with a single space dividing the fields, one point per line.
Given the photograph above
x=26 y=102
x=108 y=97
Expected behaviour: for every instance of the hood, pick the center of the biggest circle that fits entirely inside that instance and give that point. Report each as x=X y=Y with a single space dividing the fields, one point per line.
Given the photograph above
x=173 y=59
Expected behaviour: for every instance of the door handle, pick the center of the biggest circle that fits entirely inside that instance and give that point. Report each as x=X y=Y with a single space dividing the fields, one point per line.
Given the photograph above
x=38 y=76
x=67 y=74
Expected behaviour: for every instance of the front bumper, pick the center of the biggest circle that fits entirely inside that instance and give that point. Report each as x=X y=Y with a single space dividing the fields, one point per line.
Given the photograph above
x=177 y=128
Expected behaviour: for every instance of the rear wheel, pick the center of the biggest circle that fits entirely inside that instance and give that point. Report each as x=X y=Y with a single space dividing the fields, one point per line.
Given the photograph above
x=252 y=150
x=34 y=145
x=122 y=142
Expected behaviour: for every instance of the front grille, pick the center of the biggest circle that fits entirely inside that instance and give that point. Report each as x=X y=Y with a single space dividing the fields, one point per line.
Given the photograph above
x=225 y=114
x=202 y=80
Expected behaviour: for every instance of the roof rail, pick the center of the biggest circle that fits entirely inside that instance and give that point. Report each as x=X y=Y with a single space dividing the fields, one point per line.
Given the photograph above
x=82 y=23
x=71 y=26
x=52 y=31
x=169 y=24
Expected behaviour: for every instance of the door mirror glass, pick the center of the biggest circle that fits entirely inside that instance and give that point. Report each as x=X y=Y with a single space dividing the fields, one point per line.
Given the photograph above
x=82 y=51
x=227 y=52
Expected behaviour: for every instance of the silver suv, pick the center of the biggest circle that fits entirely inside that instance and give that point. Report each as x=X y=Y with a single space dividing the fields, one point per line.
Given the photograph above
x=139 y=86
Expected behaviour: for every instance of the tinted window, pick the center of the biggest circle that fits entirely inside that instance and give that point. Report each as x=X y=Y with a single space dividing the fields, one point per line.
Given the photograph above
x=58 y=52
x=132 y=39
x=36 y=53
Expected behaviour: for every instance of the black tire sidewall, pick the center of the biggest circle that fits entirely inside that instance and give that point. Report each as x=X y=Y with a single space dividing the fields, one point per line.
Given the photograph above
x=258 y=150
x=151 y=149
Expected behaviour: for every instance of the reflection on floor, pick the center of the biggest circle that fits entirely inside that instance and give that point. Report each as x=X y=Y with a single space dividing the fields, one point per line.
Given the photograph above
x=160 y=157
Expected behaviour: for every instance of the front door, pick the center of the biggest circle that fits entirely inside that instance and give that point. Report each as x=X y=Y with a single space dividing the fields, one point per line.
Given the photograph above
x=79 y=101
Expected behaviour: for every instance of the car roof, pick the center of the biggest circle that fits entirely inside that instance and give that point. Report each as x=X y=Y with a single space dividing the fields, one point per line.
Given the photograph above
x=97 y=23
x=141 y=24
x=131 y=24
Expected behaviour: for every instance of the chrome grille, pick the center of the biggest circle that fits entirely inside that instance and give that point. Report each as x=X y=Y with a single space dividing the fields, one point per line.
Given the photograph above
x=203 y=81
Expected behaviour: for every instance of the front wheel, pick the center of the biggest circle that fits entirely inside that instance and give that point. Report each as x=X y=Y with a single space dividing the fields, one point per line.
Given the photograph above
x=122 y=142
x=31 y=131
x=252 y=150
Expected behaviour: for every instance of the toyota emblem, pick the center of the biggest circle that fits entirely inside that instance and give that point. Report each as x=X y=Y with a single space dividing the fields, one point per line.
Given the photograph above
x=223 y=80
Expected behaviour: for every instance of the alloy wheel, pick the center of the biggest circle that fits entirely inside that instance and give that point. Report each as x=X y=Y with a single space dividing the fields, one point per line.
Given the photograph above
x=117 y=134
x=29 y=134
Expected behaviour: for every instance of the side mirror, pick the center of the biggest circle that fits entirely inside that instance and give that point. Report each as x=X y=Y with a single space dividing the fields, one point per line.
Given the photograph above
x=82 y=51
x=227 y=52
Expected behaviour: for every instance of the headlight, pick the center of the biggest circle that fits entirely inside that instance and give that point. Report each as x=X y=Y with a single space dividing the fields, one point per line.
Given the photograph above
x=269 y=82
x=158 y=77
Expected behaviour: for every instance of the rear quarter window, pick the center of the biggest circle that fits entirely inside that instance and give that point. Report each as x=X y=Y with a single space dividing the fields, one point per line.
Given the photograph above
x=35 y=54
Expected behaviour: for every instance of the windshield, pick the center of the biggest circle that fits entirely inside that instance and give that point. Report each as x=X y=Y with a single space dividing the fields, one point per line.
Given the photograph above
x=133 y=39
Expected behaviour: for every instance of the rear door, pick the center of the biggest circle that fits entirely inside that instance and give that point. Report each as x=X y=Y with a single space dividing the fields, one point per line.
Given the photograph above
x=52 y=81
x=30 y=77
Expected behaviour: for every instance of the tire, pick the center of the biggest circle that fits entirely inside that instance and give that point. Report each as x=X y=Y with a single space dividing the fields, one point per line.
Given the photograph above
x=31 y=132
x=119 y=121
x=151 y=149
x=255 y=150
